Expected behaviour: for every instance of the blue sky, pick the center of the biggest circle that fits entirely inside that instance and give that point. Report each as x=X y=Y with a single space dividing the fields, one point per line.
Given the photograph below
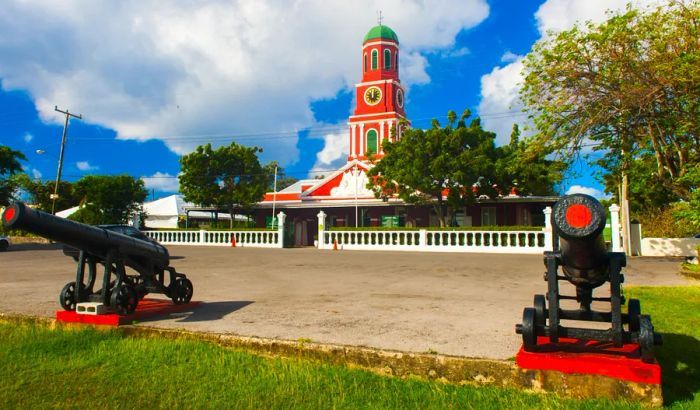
x=152 y=81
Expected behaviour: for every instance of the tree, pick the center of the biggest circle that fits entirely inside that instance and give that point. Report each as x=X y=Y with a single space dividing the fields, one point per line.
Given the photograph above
x=40 y=193
x=108 y=199
x=9 y=166
x=627 y=88
x=283 y=181
x=424 y=166
x=529 y=171
x=229 y=177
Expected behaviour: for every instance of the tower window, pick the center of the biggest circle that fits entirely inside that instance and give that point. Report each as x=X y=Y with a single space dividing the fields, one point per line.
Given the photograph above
x=372 y=142
x=375 y=57
x=396 y=65
x=365 y=63
x=387 y=59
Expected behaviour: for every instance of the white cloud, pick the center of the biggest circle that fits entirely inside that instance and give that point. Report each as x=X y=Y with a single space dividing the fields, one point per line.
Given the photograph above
x=28 y=137
x=580 y=189
x=162 y=182
x=85 y=166
x=335 y=151
x=500 y=104
x=560 y=15
x=36 y=173
x=173 y=70
x=509 y=57
x=460 y=52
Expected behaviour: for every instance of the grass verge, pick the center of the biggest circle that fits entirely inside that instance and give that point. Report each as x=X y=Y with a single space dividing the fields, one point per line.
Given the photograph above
x=88 y=368
x=675 y=313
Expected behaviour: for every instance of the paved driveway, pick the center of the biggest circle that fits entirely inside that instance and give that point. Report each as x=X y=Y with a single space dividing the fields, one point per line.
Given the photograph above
x=459 y=304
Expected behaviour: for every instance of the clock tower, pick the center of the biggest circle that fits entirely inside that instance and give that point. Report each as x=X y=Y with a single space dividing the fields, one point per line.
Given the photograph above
x=380 y=96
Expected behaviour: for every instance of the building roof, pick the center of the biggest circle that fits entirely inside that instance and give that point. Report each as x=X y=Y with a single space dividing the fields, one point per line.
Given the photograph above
x=381 y=31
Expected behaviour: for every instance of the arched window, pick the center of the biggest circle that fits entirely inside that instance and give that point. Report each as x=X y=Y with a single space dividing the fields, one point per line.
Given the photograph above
x=375 y=57
x=372 y=141
x=396 y=65
x=365 y=63
x=387 y=59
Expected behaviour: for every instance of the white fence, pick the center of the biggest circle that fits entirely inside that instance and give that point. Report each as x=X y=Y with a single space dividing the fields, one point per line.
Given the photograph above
x=263 y=238
x=439 y=241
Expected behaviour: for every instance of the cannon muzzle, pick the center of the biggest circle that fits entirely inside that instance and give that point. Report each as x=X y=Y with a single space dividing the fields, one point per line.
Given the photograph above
x=91 y=239
x=579 y=221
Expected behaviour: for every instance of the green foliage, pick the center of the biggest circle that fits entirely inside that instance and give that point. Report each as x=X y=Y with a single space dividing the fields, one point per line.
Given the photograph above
x=662 y=223
x=89 y=368
x=448 y=167
x=688 y=214
x=108 y=199
x=40 y=193
x=9 y=165
x=627 y=87
x=229 y=177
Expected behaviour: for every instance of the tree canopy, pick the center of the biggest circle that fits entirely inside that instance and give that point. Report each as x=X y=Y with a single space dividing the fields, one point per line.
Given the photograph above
x=108 y=199
x=627 y=87
x=9 y=166
x=229 y=177
x=448 y=167
x=40 y=193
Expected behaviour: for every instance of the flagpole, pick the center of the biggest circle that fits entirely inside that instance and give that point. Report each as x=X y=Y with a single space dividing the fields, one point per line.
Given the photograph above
x=274 y=198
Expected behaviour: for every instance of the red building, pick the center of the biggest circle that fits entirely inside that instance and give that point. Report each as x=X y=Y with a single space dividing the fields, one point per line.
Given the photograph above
x=343 y=196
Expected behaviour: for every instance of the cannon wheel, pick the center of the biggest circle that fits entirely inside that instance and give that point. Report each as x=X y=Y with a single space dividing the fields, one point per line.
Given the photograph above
x=540 y=310
x=646 y=338
x=634 y=310
x=68 y=297
x=124 y=300
x=181 y=291
x=528 y=330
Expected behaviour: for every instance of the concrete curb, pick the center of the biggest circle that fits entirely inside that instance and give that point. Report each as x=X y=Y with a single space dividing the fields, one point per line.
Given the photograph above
x=451 y=369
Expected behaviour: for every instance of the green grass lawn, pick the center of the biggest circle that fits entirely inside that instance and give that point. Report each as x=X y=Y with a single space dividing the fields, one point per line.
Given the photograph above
x=675 y=313
x=86 y=368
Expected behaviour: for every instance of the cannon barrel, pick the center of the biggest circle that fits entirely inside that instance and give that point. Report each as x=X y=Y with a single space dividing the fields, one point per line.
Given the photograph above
x=579 y=221
x=91 y=239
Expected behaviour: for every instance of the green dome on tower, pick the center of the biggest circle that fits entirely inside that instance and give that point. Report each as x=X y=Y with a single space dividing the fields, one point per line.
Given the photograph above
x=381 y=31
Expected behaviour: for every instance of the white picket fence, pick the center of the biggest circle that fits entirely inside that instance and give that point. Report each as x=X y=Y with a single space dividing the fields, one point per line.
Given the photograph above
x=263 y=238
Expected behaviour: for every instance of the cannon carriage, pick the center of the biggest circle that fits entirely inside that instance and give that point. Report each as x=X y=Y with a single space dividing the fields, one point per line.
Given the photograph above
x=120 y=290
x=580 y=251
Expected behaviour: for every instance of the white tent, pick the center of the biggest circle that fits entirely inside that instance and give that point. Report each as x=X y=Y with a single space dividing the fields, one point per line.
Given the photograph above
x=67 y=212
x=163 y=213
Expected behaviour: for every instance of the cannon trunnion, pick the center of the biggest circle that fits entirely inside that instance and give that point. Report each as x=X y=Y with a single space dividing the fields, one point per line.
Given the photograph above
x=114 y=251
x=579 y=249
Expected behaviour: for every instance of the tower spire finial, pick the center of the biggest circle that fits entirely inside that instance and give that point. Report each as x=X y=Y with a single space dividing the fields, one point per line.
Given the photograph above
x=379 y=17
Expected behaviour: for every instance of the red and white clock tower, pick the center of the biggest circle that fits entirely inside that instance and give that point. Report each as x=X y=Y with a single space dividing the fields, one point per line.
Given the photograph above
x=380 y=97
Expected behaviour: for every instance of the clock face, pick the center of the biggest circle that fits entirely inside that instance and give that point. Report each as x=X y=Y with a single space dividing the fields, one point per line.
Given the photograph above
x=373 y=95
x=399 y=98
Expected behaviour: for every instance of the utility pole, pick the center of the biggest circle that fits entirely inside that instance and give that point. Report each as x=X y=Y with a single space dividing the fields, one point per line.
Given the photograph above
x=54 y=196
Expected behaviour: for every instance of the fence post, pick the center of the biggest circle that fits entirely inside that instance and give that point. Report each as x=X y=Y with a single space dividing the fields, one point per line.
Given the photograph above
x=202 y=239
x=548 y=237
x=423 y=235
x=615 y=227
x=321 y=229
x=280 y=229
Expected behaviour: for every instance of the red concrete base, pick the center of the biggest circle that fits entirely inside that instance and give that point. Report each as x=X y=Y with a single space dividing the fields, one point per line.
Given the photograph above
x=590 y=357
x=146 y=308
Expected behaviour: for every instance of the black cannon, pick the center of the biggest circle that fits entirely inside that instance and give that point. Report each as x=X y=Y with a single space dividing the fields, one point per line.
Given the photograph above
x=114 y=251
x=580 y=250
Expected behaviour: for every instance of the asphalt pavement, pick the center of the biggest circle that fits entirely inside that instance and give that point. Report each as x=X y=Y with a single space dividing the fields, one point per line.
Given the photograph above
x=456 y=304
